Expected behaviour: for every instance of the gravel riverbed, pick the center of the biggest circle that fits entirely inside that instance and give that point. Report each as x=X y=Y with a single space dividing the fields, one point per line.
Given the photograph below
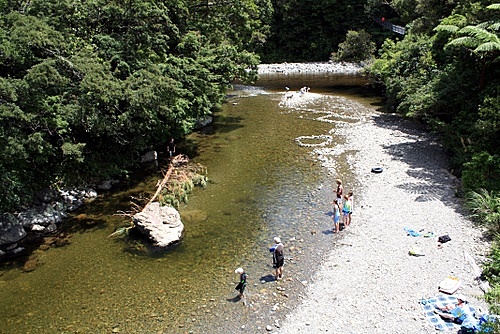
x=318 y=67
x=369 y=283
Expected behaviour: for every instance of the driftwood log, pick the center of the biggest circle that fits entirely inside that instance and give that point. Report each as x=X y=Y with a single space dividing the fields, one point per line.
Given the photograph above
x=177 y=160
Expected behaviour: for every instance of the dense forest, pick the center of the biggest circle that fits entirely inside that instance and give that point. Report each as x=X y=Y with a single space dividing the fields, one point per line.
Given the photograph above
x=86 y=87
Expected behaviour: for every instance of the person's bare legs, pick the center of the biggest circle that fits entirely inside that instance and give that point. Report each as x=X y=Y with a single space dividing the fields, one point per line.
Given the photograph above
x=279 y=273
x=444 y=315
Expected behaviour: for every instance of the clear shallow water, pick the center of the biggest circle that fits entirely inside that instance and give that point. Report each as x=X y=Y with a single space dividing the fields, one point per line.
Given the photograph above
x=262 y=184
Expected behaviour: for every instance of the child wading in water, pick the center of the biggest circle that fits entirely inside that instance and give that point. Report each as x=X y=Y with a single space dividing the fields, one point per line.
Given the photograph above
x=345 y=211
x=336 y=216
x=243 y=282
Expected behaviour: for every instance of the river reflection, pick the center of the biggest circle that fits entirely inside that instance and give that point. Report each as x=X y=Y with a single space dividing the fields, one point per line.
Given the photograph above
x=262 y=184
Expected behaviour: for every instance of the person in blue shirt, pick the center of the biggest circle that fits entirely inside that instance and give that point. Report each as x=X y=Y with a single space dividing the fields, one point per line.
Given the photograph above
x=336 y=217
x=454 y=312
x=346 y=208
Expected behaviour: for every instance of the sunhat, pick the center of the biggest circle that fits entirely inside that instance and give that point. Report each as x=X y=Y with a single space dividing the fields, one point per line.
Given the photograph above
x=461 y=297
x=239 y=271
x=277 y=240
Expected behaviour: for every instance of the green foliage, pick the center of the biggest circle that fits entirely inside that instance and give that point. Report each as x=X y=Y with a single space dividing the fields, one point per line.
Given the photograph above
x=311 y=30
x=200 y=180
x=410 y=75
x=178 y=190
x=357 y=46
x=491 y=272
x=87 y=87
x=482 y=171
x=485 y=207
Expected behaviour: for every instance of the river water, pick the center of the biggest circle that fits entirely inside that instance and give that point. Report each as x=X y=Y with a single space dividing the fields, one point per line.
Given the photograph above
x=264 y=182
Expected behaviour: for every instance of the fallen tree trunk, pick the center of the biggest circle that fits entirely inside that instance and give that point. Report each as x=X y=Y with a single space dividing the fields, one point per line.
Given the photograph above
x=175 y=161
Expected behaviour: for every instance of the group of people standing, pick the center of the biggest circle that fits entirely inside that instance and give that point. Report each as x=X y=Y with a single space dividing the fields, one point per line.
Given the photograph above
x=342 y=207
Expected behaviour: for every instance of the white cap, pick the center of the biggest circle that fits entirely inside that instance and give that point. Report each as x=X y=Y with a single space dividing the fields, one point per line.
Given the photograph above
x=277 y=240
x=239 y=271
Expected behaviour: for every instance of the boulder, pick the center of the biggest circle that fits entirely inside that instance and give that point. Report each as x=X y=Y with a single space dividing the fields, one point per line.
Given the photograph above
x=161 y=224
x=203 y=122
x=11 y=230
x=42 y=218
x=105 y=185
x=149 y=157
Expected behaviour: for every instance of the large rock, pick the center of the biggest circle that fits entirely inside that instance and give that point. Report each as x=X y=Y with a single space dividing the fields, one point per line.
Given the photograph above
x=203 y=121
x=161 y=224
x=11 y=230
x=149 y=157
x=42 y=218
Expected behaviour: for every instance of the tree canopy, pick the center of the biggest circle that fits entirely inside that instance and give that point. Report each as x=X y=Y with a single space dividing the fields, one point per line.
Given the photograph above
x=86 y=87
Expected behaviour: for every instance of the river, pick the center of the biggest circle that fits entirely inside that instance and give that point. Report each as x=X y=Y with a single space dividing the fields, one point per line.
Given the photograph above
x=262 y=184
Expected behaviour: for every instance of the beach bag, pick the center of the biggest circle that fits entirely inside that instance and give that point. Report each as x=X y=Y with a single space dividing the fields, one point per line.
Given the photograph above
x=444 y=238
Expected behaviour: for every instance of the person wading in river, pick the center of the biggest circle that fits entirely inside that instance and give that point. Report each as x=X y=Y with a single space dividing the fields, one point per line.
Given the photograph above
x=279 y=258
x=243 y=282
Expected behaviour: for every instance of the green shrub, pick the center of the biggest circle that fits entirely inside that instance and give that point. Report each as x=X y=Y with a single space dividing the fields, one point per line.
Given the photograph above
x=491 y=272
x=177 y=191
x=482 y=171
x=485 y=207
x=358 y=46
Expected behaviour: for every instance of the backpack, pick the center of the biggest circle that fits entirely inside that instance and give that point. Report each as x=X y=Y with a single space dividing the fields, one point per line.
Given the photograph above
x=444 y=238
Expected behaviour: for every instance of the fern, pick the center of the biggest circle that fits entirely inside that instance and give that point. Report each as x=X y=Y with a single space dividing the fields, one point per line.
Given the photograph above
x=485 y=207
x=447 y=28
x=488 y=47
x=494 y=6
x=466 y=41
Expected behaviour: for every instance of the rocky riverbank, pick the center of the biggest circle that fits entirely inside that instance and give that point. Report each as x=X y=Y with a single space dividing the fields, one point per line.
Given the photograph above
x=370 y=283
x=310 y=68
x=18 y=230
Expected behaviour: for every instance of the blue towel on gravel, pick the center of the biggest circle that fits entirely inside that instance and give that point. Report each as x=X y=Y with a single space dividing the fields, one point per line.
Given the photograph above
x=429 y=305
x=412 y=232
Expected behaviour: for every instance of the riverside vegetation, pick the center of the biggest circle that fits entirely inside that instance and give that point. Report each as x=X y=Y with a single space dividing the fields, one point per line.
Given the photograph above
x=85 y=88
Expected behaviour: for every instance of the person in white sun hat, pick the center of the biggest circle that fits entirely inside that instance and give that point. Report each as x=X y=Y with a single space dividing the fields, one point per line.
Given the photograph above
x=279 y=257
x=454 y=312
x=243 y=282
